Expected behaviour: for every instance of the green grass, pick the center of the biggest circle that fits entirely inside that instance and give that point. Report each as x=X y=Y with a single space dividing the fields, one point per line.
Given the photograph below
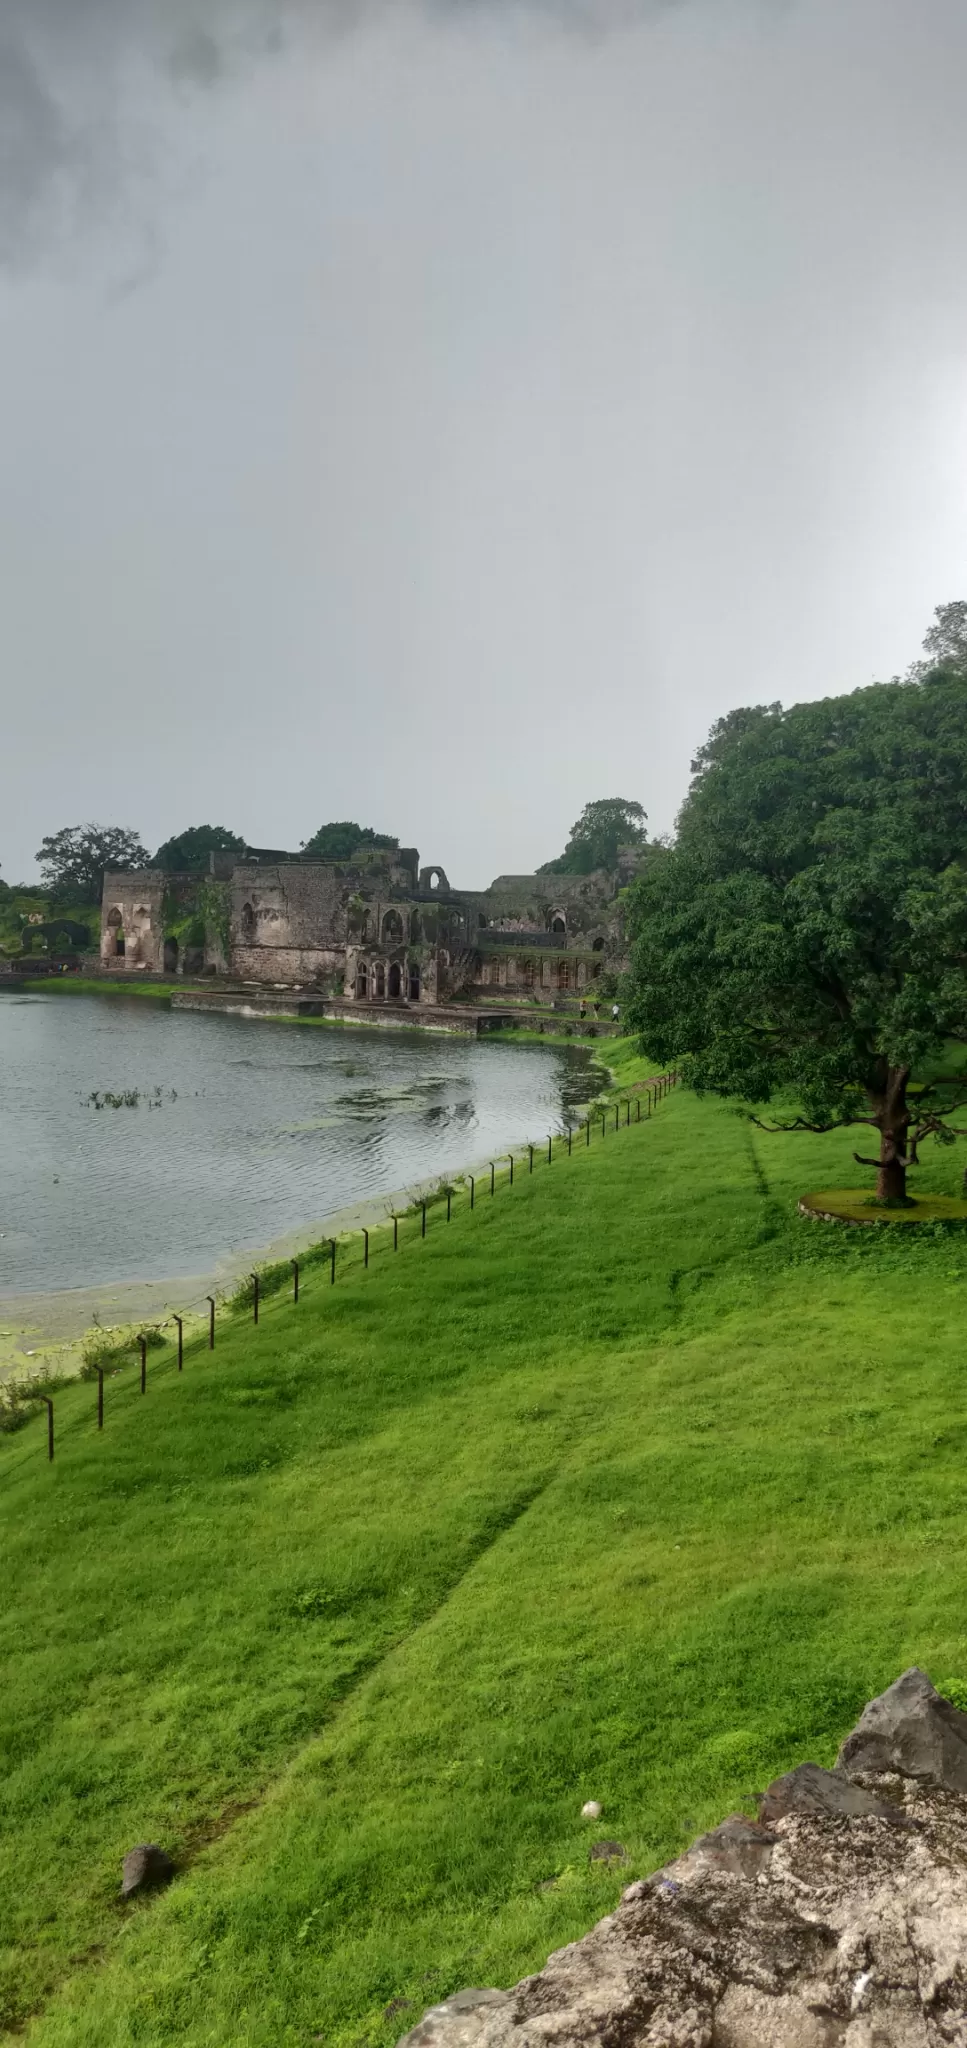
x=90 y=985
x=633 y=1485
x=857 y=1205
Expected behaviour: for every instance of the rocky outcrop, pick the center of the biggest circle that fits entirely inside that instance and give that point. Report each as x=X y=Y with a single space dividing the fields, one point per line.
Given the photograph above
x=838 y=1919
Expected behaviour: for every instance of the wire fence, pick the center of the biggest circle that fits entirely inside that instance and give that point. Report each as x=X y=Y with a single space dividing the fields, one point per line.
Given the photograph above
x=117 y=1348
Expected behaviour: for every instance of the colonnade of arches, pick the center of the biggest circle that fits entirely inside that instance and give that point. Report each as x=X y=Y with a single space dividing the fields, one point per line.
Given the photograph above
x=381 y=981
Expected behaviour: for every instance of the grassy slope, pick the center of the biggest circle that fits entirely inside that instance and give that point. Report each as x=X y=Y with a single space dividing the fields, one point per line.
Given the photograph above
x=630 y=1486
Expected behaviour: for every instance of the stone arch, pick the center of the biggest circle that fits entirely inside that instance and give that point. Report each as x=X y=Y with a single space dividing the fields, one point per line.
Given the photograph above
x=362 y=981
x=115 y=926
x=597 y=945
x=248 y=925
x=559 y=923
x=433 y=878
x=395 y=981
x=414 y=981
x=380 y=989
x=392 y=928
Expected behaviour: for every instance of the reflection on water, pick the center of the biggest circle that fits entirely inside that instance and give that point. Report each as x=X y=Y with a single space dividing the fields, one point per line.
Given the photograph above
x=272 y=1127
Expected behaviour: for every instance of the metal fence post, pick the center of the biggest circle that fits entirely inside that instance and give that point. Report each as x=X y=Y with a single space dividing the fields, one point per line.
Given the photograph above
x=396 y=1233
x=332 y=1265
x=423 y=1226
x=295 y=1279
x=530 y=1152
x=492 y=1169
x=181 y=1341
x=100 y=1397
x=473 y=1185
x=549 y=1152
x=587 y=1132
x=637 y=1109
x=570 y=1135
x=365 y=1248
x=144 y=1363
x=449 y=1200
x=50 y=1427
x=255 y=1297
x=511 y=1158
x=210 y=1298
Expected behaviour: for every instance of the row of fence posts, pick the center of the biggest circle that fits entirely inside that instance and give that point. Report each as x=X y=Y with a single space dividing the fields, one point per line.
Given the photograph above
x=654 y=1092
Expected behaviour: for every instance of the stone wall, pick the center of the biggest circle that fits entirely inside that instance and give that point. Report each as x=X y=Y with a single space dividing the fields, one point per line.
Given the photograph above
x=837 y=1919
x=132 y=923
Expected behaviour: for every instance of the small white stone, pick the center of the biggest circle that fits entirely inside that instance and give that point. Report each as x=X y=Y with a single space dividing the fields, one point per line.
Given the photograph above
x=591 y=1810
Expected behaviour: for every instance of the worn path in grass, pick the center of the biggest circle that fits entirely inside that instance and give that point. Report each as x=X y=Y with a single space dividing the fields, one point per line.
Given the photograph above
x=633 y=1485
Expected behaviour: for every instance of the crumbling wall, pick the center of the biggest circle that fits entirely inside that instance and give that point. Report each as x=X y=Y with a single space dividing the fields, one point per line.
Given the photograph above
x=837 y=1919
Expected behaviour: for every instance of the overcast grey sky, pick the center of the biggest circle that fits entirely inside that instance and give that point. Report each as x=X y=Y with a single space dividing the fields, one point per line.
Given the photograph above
x=437 y=415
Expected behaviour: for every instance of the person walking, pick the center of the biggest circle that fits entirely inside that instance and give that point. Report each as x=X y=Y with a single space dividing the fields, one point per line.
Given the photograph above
x=615 y=1013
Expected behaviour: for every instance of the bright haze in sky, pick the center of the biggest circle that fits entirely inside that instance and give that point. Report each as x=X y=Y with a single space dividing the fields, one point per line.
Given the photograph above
x=437 y=415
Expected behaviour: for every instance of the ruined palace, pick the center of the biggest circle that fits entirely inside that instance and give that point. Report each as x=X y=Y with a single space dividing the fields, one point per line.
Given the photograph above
x=375 y=929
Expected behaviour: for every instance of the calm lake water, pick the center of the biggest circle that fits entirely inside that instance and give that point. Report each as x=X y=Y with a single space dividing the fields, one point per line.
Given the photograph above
x=260 y=1129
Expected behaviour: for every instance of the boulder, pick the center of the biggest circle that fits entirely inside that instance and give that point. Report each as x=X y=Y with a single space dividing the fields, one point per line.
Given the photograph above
x=910 y=1729
x=144 y=1868
x=834 y=1921
x=810 y=1789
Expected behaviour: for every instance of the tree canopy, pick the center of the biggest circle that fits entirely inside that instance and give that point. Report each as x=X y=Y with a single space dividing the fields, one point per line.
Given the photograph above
x=595 y=840
x=74 y=861
x=188 y=851
x=808 y=932
x=340 y=841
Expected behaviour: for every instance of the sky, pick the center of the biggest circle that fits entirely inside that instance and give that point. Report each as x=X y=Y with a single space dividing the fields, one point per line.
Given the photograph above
x=438 y=414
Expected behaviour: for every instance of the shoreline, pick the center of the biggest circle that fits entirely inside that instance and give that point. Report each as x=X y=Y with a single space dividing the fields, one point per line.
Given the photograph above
x=46 y=1328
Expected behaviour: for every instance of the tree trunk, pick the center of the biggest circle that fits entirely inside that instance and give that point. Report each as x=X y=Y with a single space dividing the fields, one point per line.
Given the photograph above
x=893 y=1120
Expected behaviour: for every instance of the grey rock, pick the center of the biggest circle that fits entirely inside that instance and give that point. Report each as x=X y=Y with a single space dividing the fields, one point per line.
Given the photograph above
x=458 y=2022
x=740 y=1846
x=144 y=1868
x=810 y=1789
x=822 y=1929
x=911 y=1729
x=608 y=1852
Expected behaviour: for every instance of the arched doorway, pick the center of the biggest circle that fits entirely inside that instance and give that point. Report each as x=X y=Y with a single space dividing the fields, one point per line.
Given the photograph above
x=171 y=956
x=559 y=926
x=116 y=934
x=414 y=982
x=395 y=981
x=362 y=981
x=380 y=990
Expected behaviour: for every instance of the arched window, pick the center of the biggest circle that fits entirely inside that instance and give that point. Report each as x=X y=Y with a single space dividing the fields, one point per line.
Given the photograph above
x=597 y=945
x=414 y=982
x=563 y=974
x=559 y=925
x=248 y=924
x=395 y=982
x=380 y=982
x=362 y=980
x=392 y=928
x=528 y=973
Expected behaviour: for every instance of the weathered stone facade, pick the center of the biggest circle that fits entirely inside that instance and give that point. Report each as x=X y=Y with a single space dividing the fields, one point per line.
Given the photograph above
x=377 y=929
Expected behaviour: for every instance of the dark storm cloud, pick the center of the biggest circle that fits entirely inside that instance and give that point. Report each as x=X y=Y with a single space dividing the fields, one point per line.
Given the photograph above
x=68 y=70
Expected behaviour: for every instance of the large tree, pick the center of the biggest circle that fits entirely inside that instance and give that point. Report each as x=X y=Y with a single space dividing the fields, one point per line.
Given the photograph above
x=340 y=841
x=74 y=861
x=806 y=937
x=188 y=851
x=595 y=840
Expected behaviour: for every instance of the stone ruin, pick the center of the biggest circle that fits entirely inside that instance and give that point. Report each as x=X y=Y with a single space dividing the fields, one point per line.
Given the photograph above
x=375 y=929
x=837 y=1919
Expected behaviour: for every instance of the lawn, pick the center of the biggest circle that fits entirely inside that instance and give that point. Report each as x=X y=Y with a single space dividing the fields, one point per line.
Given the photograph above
x=631 y=1485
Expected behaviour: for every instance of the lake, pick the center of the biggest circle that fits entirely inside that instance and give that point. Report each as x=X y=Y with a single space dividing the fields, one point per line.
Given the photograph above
x=242 y=1132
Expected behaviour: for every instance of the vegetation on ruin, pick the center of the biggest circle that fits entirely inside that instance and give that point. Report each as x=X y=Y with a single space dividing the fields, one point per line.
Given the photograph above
x=632 y=1485
x=808 y=931
x=189 y=851
x=341 y=841
x=597 y=838
x=39 y=920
